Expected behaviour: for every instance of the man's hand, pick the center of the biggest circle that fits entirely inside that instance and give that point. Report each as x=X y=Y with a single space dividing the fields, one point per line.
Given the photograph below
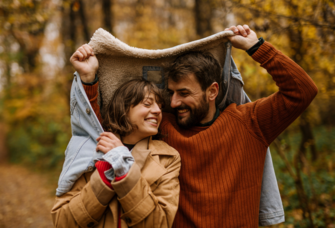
x=85 y=63
x=107 y=141
x=244 y=37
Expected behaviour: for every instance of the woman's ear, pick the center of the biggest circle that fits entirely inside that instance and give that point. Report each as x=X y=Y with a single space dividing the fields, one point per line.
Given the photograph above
x=213 y=91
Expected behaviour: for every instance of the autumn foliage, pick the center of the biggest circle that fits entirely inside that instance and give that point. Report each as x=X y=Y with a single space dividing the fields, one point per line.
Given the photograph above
x=37 y=39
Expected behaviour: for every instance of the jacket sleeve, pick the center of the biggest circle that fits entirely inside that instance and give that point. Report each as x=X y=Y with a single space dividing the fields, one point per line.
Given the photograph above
x=268 y=117
x=92 y=95
x=84 y=204
x=143 y=207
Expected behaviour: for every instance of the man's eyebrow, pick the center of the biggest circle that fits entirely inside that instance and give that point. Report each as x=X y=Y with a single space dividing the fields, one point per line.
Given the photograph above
x=179 y=90
x=183 y=89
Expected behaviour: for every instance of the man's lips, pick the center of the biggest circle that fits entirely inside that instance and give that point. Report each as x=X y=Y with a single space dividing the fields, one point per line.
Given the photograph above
x=182 y=112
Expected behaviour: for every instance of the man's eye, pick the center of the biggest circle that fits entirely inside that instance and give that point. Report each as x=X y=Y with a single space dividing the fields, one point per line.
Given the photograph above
x=184 y=94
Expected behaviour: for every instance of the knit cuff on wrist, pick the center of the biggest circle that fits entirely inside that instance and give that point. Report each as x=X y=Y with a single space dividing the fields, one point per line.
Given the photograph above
x=264 y=53
x=91 y=91
x=103 y=166
x=254 y=48
x=96 y=79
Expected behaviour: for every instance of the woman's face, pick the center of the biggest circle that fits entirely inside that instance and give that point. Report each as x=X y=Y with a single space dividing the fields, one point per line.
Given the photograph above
x=145 y=117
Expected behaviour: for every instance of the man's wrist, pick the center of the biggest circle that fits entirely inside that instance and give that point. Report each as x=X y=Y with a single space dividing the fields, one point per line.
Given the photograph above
x=90 y=82
x=254 y=48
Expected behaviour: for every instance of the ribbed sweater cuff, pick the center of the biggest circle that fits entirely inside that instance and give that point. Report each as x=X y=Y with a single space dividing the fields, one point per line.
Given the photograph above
x=91 y=91
x=103 y=166
x=120 y=178
x=264 y=53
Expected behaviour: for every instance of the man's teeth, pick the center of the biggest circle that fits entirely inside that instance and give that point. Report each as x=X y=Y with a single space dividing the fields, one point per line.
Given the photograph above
x=152 y=120
x=182 y=110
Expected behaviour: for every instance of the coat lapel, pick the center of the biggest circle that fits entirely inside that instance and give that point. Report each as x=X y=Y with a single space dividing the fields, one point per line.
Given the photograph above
x=149 y=164
x=141 y=152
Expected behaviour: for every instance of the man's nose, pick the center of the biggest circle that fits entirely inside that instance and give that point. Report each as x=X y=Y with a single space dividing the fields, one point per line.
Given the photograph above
x=174 y=101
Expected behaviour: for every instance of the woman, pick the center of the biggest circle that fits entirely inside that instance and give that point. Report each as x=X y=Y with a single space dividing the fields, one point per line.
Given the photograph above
x=136 y=184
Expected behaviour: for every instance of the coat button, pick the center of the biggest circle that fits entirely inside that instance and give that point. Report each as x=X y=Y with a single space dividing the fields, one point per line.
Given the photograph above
x=90 y=168
x=88 y=111
x=91 y=224
x=128 y=220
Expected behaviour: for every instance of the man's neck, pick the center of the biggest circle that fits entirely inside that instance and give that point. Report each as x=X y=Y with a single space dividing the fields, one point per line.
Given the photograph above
x=210 y=115
x=209 y=123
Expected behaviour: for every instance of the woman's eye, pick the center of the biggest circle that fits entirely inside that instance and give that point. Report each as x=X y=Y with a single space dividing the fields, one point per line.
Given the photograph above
x=147 y=104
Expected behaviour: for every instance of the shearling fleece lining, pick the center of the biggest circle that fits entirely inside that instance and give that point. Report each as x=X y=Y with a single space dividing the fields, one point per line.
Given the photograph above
x=118 y=62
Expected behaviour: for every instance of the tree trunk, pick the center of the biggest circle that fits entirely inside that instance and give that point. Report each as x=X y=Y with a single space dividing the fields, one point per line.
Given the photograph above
x=203 y=12
x=83 y=20
x=3 y=147
x=107 y=15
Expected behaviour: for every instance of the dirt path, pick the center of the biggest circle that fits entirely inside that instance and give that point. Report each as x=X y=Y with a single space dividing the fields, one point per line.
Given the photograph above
x=26 y=198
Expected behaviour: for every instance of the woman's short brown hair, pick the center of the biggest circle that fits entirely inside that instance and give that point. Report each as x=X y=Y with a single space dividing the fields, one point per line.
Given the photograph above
x=128 y=95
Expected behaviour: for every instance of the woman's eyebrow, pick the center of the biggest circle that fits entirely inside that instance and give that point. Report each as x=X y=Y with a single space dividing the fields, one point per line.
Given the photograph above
x=149 y=98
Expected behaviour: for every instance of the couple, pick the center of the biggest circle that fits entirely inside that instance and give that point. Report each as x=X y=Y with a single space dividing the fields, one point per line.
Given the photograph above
x=222 y=154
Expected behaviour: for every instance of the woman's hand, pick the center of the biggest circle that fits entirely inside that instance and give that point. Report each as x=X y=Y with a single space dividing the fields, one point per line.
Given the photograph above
x=85 y=63
x=244 y=37
x=107 y=141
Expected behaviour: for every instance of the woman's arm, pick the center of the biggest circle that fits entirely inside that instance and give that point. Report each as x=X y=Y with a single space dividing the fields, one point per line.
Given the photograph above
x=84 y=204
x=146 y=208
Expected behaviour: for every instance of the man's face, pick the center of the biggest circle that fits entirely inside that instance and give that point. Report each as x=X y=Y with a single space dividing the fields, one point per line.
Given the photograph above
x=188 y=100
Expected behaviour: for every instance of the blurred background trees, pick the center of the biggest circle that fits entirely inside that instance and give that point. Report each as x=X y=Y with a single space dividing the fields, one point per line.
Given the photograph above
x=37 y=38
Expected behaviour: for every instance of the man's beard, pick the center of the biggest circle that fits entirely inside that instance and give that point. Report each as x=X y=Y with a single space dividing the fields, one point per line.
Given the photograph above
x=196 y=115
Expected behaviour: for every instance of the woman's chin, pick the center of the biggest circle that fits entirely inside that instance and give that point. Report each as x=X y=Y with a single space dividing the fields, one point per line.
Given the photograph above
x=150 y=133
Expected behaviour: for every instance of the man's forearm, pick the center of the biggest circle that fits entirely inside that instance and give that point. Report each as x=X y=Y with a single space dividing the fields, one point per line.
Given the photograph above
x=296 y=91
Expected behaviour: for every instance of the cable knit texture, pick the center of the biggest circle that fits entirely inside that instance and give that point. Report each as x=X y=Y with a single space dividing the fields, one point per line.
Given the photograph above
x=226 y=191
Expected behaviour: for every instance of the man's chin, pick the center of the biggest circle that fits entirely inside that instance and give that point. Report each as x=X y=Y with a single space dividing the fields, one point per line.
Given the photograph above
x=185 y=122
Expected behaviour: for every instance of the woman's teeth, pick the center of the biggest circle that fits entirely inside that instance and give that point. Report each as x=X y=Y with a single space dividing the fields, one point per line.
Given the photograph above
x=182 y=110
x=152 y=121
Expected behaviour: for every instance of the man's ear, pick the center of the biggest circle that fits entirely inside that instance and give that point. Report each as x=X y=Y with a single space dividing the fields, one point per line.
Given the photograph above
x=213 y=91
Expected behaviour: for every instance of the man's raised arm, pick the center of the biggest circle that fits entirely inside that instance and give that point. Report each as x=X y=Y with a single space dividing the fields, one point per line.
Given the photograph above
x=268 y=117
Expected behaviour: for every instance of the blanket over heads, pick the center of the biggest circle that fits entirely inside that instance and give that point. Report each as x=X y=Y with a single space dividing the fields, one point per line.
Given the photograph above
x=118 y=62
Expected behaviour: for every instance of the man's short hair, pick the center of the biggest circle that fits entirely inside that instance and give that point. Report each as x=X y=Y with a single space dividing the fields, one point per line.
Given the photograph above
x=203 y=65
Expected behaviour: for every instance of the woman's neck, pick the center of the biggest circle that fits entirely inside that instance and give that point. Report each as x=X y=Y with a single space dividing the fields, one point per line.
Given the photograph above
x=132 y=138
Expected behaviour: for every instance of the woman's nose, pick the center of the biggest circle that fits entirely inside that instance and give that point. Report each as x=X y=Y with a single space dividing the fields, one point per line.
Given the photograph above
x=156 y=109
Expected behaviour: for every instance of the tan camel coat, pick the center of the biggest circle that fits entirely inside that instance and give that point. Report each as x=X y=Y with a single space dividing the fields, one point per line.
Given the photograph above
x=148 y=195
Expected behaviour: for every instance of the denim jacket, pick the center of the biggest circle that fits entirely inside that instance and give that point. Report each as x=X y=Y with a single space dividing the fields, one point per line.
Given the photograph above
x=80 y=153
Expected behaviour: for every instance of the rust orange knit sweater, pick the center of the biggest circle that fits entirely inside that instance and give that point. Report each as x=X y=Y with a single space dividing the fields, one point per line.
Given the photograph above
x=222 y=165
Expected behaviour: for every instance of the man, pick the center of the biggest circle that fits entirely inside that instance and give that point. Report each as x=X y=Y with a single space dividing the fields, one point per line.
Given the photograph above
x=221 y=176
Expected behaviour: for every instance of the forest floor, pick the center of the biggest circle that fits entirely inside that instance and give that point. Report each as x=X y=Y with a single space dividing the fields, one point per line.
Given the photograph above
x=26 y=198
